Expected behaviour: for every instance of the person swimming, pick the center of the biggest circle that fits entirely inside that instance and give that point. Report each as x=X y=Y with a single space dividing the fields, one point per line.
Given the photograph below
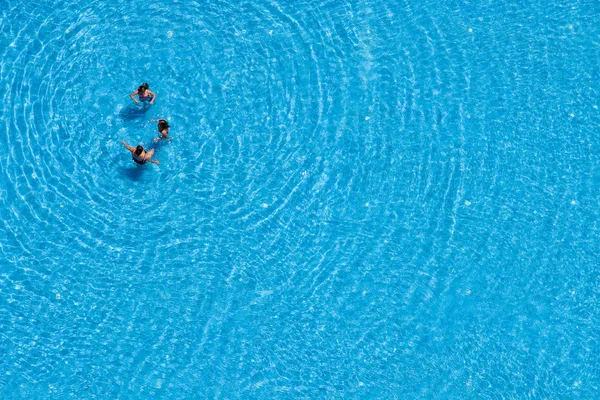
x=139 y=155
x=163 y=129
x=144 y=94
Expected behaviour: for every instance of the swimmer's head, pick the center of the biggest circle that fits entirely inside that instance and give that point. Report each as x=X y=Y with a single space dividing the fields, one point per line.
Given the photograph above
x=143 y=87
x=162 y=125
x=139 y=149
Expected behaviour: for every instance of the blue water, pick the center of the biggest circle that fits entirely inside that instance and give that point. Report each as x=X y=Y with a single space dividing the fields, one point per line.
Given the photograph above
x=361 y=199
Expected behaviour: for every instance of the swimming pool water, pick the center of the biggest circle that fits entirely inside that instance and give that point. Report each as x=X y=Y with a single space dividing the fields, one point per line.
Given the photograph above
x=361 y=199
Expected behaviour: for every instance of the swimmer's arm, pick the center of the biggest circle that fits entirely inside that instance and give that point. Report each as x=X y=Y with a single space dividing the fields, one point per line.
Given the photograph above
x=131 y=149
x=153 y=96
x=133 y=98
x=148 y=156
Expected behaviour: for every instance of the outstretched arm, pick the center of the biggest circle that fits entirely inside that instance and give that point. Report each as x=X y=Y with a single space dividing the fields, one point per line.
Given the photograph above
x=147 y=156
x=131 y=149
x=133 y=98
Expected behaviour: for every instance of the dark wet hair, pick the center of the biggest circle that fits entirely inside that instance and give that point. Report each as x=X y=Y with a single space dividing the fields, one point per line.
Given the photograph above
x=143 y=86
x=162 y=125
x=138 y=150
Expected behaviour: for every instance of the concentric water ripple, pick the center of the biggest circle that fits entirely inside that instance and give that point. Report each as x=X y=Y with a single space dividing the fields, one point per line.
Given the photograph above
x=360 y=199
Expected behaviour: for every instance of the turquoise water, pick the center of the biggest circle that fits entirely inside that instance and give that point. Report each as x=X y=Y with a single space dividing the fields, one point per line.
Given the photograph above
x=363 y=199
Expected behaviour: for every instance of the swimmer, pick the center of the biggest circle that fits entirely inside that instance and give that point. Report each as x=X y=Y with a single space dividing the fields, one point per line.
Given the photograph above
x=163 y=129
x=139 y=155
x=144 y=94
